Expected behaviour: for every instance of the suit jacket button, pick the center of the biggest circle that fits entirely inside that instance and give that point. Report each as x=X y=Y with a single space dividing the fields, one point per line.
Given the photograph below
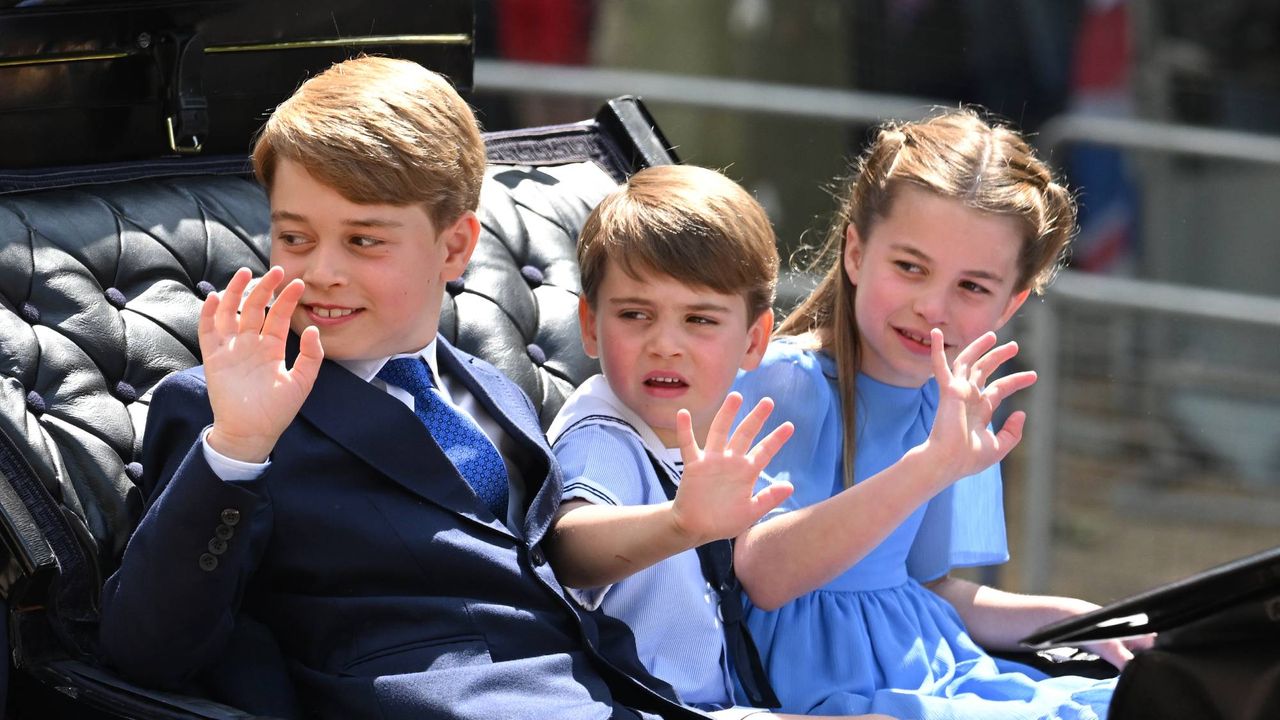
x=537 y=557
x=217 y=546
x=230 y=516
x=224 y=532
x=208 y=562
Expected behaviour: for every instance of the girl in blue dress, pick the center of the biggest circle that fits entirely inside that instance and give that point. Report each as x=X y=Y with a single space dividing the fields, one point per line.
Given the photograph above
x=946 y=226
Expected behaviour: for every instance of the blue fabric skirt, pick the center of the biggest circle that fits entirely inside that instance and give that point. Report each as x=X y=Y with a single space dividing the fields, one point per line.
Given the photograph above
x=903 y=651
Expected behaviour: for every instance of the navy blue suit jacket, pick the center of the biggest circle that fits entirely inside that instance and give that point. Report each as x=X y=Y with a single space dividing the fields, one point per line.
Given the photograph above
x=390 y=589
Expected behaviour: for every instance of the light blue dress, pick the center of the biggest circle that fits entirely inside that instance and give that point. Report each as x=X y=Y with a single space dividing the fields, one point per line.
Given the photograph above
x=874 y=639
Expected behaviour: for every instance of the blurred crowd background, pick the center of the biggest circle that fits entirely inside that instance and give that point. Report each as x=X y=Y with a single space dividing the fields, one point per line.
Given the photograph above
x=1153 y=446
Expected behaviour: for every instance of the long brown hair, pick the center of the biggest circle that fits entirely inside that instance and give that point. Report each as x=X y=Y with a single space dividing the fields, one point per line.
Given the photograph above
x=957 y=154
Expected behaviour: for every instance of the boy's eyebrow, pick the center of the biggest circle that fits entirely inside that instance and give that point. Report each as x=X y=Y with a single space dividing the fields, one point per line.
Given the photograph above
x=286 y=215
x=916 y=252
x=354 y=222
x=694 y=307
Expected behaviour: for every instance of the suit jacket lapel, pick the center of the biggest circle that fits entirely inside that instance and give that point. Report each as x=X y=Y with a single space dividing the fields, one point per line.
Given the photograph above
x=387 y=436
x=504 y=402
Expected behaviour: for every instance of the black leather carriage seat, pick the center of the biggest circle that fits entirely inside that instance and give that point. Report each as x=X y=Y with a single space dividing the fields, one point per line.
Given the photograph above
x=101 y=281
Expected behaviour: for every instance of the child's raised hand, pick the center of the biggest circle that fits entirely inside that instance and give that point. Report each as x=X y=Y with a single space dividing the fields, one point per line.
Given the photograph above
x=966 y=403
x=714 y=500
x=254 y=396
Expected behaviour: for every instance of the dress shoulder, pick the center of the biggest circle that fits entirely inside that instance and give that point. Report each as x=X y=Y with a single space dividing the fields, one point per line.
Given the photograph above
x=792 y=375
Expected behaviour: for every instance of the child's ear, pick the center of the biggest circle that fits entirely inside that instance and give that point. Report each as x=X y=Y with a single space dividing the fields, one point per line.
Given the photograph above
x=852 y=253
x=757 y=340
x=587 y=327
x=458 y=240
x=1015 y=302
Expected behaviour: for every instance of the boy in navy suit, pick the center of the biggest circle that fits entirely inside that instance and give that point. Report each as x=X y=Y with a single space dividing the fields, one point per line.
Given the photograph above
x=338 y=481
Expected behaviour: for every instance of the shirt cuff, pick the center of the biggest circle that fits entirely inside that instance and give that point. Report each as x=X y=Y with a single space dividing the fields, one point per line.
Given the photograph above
x=229 y=469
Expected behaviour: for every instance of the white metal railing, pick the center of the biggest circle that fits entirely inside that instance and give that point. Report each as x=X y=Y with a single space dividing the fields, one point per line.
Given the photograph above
x=707 y=92
x=1042 y=344
x=1135 y=134
x=854 y=106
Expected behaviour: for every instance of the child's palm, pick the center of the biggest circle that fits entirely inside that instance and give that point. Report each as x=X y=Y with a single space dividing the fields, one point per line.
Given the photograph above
x=715 y=499
x=253 y=395
x=966 y=404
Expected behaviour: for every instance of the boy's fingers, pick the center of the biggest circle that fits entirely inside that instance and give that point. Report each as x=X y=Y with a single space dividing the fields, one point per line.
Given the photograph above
x=224 y=320
x=310 y=354
x=750 y=426
x=718 y=433
x=684 y=436
x=987 y=364
x=253 y=305
x=281 y=312
x=762 y=454
x=771 y=497
x=204 y=328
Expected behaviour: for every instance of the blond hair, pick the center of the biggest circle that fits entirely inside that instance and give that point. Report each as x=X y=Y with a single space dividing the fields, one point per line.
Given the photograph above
x=689 y=223
x=958 y=155
x=380 y=131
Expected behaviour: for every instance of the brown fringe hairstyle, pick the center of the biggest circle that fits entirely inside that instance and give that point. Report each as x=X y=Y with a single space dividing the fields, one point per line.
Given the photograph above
x=959 y=155
x=688 y=223
x=380 y=131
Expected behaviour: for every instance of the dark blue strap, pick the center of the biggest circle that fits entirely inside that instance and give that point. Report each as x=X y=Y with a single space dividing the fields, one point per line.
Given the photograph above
x=717 y=567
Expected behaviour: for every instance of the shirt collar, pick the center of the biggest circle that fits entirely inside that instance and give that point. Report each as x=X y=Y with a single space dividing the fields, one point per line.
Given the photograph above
x=367 y=370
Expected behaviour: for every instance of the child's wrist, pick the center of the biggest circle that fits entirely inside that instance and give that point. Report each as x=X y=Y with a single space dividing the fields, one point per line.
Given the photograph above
x=689 y=537
x=927 y=462
x=242 y=449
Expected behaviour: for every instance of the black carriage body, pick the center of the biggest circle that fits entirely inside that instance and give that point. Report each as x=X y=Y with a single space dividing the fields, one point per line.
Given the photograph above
x=90 y=82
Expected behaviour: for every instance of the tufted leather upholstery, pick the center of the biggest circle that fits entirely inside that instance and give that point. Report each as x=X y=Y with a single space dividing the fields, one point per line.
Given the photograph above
x=100 y=288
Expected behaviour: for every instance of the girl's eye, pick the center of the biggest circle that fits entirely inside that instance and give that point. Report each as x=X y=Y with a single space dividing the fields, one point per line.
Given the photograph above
x=908 y=267
x=974 y=287
x=289 y=239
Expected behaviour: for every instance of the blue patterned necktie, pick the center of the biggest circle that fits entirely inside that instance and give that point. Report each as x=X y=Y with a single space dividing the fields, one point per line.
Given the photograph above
x=469 y=449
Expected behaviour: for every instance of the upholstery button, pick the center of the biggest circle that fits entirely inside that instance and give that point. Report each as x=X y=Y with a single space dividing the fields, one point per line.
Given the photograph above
x=536 y=354
x=35 y=403
x=134 y=471
x=224 y=532
x=203 y=288
x=208 y=562
x=29 y=313
x=126 y=392
x=537 y=557
x=230 y=516
x=455 y=286
x=217 y=546
x=115 y=297
x=532 y=275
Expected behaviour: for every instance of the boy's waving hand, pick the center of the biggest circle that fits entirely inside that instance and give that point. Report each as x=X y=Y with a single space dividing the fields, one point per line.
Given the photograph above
x=715 y=500
x=253 y=395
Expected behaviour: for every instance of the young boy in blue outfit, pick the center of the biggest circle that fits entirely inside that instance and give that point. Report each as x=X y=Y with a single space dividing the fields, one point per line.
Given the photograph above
x=678 y=274
x=337 y=474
